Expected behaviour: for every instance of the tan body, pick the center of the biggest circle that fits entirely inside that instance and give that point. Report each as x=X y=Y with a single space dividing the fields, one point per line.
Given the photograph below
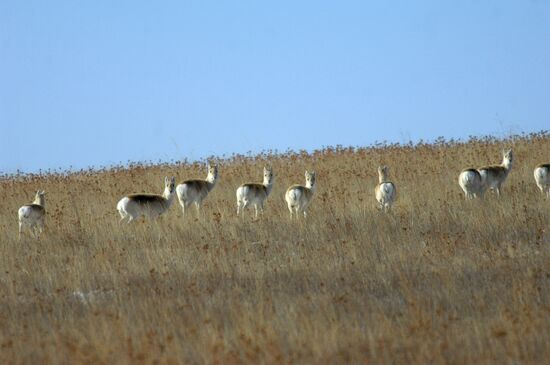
x=298 y=197
x=542 y=178
x=492 y=177
x=385 y=191
x=151 y=206
x=255 y=194
x=471 y=183
x=195 y=191
x=33 y=215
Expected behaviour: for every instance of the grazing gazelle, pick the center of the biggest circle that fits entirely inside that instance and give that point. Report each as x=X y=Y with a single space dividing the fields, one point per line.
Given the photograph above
x=492 y=177
x=470 y=182
x=148 y=205
x=32 y=215
x=255 y=193
x=195 y=191
x=385 y=190
x=298 y=197
x=542 y=178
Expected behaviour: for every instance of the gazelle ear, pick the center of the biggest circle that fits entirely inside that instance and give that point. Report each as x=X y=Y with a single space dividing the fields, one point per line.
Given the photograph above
x=166 y=180
x=173 y=180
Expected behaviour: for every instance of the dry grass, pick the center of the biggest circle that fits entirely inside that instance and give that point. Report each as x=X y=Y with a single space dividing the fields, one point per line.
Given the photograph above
x=440 y=280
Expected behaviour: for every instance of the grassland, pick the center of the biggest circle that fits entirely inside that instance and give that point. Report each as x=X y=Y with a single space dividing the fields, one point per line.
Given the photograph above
x=439 y=280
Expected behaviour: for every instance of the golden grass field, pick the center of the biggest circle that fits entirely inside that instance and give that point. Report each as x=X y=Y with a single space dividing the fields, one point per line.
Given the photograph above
x=438 y=280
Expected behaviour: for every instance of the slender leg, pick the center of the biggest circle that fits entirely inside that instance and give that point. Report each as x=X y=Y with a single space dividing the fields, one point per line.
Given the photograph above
x=290 y=209
x=40 y=228
x=256 y=210
x=238 y=207
x=20 y=230
x=245 y=205
x=198 y=206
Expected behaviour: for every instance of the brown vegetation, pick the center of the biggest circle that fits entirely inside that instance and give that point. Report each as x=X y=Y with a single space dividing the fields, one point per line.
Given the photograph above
x=439 y=280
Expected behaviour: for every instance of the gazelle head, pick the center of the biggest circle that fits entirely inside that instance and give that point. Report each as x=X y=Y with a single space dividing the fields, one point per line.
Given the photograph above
x=310 y=179
x=212 y=173
x=382 y=173
x=169 y=186
x=39 y=197
x=268 y=176
x=507 y=157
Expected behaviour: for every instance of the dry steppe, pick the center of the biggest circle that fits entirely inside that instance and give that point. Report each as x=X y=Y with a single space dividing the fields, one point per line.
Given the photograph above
x=439 y=280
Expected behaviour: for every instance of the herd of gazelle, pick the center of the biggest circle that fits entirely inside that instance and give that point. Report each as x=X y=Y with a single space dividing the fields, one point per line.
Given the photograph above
x=474 y=183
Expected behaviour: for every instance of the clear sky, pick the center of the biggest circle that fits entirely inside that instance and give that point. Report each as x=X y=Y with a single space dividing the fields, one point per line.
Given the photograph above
x=101 y=82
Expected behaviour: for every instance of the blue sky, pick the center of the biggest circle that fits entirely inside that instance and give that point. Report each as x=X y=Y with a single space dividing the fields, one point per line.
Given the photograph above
x=102 y=82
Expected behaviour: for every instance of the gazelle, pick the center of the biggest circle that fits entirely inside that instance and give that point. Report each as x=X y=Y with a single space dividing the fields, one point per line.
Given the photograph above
x=542 y=178
x=195 y=191
x=255 y=194
x=298 y=197
x=148 y=205
x=33 y=215
x=492 y=177
x=385 y=190
x=470 y=182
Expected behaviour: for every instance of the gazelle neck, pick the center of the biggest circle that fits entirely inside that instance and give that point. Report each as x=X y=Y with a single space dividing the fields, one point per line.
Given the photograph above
x=39 y=200
x=268 y=186
x=211 y=180
x=169 y=196
x=506 y=163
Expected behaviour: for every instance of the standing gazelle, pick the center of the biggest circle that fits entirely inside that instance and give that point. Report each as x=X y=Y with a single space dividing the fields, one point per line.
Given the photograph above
x=33 y=215
x=195 y=191
x=385 y=190
x=542 y=178
x=471 y=183
x=148 y=205
x=256 y=194
x=492 y=177
x=298 y=197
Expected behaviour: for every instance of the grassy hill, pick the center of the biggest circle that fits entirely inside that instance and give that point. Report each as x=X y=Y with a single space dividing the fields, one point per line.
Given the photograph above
x=439 y=280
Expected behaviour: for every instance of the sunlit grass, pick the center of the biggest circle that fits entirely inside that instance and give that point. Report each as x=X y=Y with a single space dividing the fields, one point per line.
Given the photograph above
x=438 y=280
